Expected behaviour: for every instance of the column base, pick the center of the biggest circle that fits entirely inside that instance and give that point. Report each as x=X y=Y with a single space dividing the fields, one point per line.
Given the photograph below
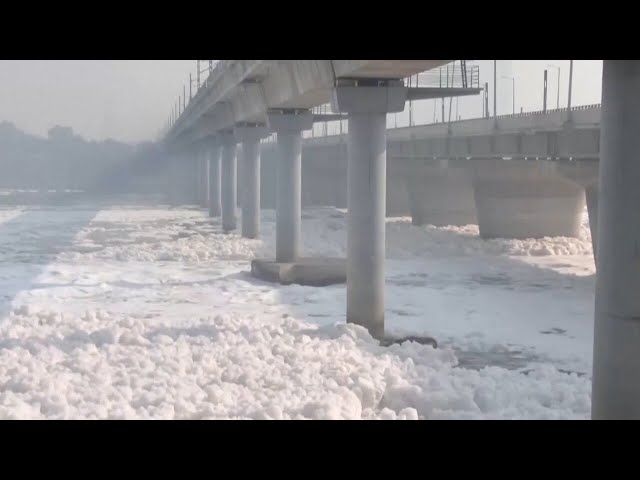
x=317 y=272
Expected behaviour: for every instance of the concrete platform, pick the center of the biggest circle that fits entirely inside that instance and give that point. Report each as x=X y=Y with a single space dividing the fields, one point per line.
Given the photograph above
x=388 y=341
x=317 y=272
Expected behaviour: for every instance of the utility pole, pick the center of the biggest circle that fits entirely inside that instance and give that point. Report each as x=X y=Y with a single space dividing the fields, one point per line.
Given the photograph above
x=210 y=66
x=190 y=89
x=558 y=98
x=486 y=99
x=495 y=88
x=198 y=76
x=570 y=82
x=184 y=97
x=544 y=98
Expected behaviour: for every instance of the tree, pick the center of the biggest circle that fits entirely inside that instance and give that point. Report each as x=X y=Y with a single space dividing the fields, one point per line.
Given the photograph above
x=60 y=133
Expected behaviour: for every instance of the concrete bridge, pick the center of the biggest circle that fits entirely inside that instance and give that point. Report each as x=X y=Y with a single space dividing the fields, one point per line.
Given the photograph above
x=456 y=174
x=245 y=100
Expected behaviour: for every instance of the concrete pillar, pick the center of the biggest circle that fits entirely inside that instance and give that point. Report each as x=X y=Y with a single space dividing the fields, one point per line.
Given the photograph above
x=204 y=178
x=250 y=136
x=215 y=194
x=229 y=182
x=268 y=174
x=367 y=106
x=584 y=172
x=526 y=199
x=616 y=350
x=591 y=193
x=198 y=176
x=289 y=127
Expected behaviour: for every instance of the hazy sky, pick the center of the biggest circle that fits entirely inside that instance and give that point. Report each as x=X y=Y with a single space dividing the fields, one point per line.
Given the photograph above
x=129 y=100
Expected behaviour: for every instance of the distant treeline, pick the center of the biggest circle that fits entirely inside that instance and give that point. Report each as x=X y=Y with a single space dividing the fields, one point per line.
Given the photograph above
x=65 y=160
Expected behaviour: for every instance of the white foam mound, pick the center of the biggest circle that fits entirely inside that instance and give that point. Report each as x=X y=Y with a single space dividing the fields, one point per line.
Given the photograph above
x=324 y=233
x=105 y=365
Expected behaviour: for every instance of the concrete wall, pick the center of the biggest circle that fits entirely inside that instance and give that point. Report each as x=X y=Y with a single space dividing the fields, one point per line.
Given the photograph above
x=526 y=199
x=506 y=198
x=441 y=192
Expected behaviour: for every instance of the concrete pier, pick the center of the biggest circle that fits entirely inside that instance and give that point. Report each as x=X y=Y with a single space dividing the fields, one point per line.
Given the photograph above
x=367 y=107
x=203 y=178
x=616 y=349
x=229 y=182
x=591 y=194
x=289 y=267
x=250 y=137
x=526 y=199
x=215 y=177
x=289 y=128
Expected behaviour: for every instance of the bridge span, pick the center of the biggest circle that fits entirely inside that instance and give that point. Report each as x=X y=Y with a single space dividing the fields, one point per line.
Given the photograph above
x=538 y=190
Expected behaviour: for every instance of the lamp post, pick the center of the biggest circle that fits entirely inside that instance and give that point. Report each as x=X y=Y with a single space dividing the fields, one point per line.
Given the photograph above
x=570 y=82
x=558 y=68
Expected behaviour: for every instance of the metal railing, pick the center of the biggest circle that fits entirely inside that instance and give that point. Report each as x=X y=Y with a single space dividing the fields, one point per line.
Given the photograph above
x=458 y=74
x=211 y=69
x=549 y=110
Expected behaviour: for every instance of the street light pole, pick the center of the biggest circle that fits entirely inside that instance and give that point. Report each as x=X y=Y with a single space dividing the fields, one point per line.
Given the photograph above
x=558 y=98
x=544 y=98
x=570 y=83
x=495 y=88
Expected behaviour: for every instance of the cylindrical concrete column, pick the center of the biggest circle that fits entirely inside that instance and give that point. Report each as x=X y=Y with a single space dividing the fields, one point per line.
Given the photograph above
x=591 y=192
x=616 y=350
x=204 y=178
x=288 y=196
x=251 y=188
x=192 y=181
x=215 y=194
x=366 y=197
x=198 y=177
x=229 y=185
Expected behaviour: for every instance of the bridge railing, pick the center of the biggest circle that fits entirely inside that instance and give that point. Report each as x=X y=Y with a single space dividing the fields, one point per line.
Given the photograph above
x=552 y=110
x=459 y=74
x=212 y=69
